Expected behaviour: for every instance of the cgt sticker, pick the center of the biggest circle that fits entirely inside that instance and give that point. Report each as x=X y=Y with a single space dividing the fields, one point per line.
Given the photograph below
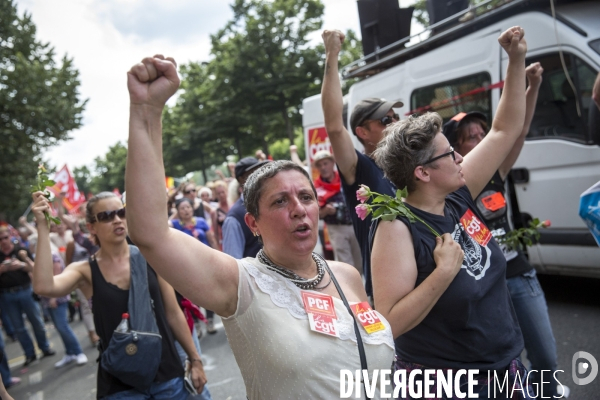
x=367 y=317
x=475 y=228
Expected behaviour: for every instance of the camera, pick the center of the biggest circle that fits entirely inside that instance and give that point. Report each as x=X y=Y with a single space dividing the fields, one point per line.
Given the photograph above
x=340 y=211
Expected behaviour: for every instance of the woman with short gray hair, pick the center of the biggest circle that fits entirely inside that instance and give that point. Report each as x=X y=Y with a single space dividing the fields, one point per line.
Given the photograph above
x=442 y=285
x=285 y=347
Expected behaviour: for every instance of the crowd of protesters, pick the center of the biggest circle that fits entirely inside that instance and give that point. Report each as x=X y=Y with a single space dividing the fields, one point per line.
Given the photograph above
x=243 y=247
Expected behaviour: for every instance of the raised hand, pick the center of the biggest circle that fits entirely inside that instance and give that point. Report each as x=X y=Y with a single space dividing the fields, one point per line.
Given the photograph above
x=513 y=42
x=152 y=81
x=333 y=41
x=40 y=205
x=534 y=74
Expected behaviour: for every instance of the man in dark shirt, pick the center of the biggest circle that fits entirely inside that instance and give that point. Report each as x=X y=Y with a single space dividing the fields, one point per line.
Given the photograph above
x=16 y=296
x=368 y=121
x=333 y=210
x=238 y=240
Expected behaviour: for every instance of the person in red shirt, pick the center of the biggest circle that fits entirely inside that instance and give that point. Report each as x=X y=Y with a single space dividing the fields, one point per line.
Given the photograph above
x=333 y=210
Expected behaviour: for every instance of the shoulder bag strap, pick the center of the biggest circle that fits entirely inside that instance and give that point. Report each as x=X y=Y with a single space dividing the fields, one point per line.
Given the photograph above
x=361 y=347
x=141 y=309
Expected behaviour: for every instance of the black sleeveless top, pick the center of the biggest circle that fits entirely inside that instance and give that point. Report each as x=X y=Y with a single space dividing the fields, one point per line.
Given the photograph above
x=491 y=203
x=473 y=324
x=109 y=302
x=199 y=212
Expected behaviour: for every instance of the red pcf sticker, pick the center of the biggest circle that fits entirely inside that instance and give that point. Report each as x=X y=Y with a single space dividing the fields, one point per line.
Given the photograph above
x=475 y=228
x=367 y=317
x=321 y=313
x=494 y=202
x=316 y=303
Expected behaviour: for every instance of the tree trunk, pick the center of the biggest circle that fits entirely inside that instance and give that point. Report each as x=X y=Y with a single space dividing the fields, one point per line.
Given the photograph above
x=238 y=145
x=288 y=126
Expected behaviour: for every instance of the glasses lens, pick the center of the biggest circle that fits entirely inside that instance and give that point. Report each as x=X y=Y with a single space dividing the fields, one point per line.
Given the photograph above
x=105 y=216
x=4 y=238
x=190 y=191
x=386 y=120
x=109 y=216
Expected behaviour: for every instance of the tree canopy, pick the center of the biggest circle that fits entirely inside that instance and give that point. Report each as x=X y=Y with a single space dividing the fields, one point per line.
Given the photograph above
x=39 y=105
x=249 y=95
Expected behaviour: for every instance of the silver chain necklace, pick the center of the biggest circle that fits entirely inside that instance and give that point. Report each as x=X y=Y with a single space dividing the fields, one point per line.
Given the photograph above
x=302 y=283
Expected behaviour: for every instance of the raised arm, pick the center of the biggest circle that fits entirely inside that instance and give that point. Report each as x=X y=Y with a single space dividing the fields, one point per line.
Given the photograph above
x=23 y=222
x=333 y=107
x=294 y=155
x=207 y=277
x=484 y=160
x=534 y=76
x=44 y=281
x=394 y=271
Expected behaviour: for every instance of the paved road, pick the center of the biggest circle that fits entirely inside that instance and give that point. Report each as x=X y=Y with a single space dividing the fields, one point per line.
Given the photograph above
x=574 y=306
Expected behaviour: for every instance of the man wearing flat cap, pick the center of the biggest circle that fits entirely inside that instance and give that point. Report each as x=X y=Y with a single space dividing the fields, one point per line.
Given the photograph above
x=238 y=240
x=368 y=121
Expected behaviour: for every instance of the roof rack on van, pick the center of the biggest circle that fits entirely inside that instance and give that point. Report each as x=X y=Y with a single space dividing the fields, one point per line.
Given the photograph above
x=441 y=33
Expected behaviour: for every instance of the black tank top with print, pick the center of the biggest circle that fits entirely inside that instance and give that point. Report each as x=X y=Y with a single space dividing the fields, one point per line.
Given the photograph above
x=473 y=324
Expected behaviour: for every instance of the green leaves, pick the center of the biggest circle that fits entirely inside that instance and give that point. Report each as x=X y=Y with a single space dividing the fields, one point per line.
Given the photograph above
x=43 y=182
x=249 y=95
x=386 y=207
x=515 y=239
x=40 y=101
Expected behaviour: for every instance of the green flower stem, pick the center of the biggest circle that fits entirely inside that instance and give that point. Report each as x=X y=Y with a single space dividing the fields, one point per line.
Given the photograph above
x=427 y=225
x=393 y=209
x=42 y=182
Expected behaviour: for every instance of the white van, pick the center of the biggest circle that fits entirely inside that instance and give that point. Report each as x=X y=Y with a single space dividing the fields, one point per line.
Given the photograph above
x=461 y=69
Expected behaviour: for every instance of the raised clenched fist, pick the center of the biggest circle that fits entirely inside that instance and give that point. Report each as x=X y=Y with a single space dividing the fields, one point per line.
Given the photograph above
x=333 y=41
x=513 y=42
x=534 y=74
x=152 y=81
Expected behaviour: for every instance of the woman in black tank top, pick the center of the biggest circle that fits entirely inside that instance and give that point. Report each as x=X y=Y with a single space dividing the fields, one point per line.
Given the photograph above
x=465 y=131
x=446 y=297
x=106 y=276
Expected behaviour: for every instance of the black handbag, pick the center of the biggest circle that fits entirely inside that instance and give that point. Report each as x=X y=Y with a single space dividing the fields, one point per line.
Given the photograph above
x=134 y=356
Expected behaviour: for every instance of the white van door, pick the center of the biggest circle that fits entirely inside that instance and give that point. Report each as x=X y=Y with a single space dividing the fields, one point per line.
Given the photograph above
x=560 y=160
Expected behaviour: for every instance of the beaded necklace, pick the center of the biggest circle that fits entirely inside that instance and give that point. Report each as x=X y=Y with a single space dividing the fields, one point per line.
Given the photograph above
x=302 y=283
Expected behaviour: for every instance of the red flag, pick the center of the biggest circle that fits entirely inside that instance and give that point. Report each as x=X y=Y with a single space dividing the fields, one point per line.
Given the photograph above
x=65 y=184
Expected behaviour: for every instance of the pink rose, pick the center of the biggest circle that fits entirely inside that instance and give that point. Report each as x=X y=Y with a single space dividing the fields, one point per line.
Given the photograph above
x=362 y=194
x=362 y=210
x=546 y=223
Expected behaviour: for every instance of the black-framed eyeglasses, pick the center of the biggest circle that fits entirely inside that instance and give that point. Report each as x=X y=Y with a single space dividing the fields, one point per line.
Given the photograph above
x=189 y=191
x=450 y=153
x=109 y=216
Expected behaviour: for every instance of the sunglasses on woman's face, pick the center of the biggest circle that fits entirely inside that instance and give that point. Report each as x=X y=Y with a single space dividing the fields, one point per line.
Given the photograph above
x=189 y=191
x=109 y=216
